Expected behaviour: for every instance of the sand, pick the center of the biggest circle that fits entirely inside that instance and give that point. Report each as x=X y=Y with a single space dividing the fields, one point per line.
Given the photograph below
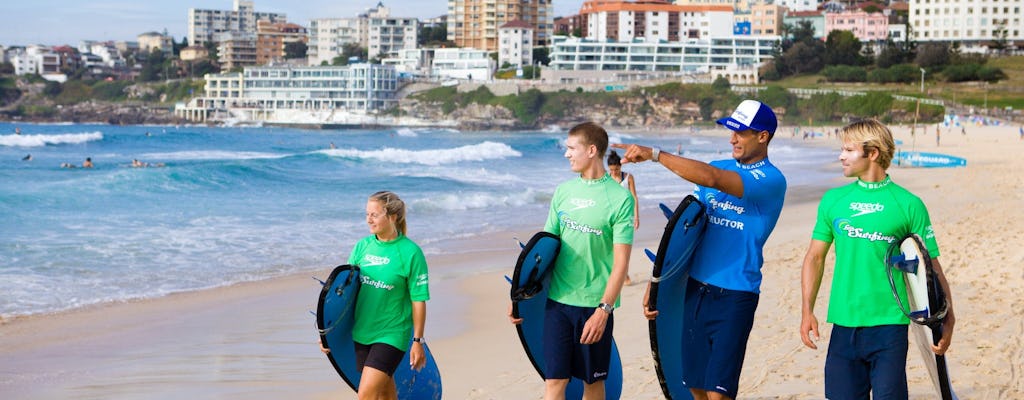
x=257 y=340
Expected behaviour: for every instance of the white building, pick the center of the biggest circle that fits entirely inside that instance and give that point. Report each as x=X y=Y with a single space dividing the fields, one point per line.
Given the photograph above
x=464 y=63
x=415 y=62
x=799 y=5
x=375 y=30
x=973 y=23
x=703 y=56
x=515 y=44
x=204 y=25
x=107 y=51
x=153 y=40
x=267 y=93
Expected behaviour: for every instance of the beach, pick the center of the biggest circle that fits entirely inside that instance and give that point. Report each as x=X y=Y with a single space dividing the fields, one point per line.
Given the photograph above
x=257 y=340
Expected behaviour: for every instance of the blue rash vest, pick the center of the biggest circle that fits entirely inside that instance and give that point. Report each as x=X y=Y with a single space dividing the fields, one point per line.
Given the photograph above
x=730 y=254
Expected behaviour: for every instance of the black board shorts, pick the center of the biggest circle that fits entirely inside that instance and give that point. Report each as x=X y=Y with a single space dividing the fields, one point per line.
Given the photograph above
x=379 y=356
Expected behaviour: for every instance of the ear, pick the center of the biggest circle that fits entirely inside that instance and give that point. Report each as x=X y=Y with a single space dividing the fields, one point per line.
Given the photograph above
x=763 y=137
x=592 y=151
x=873 y=153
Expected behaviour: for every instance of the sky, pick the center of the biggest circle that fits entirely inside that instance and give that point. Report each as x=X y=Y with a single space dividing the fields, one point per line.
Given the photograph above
x=57 y=22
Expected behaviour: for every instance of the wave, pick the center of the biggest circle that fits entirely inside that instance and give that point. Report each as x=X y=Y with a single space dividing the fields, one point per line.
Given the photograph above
x=212 y=155
x=43 y=140
x=476 y=152
x=477 y=176
x=406 y=132
x=463 y=201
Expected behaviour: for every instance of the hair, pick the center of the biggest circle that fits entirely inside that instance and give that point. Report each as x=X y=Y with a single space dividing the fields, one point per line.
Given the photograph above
x=592 y=134
x=614 y=159
x=392 y=206
x=872 y=135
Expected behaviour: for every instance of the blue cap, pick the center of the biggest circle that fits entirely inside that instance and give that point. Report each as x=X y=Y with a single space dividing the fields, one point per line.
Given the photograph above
x=751 y=114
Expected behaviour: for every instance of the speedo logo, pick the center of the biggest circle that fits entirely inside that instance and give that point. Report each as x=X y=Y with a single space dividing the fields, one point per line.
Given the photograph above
x=844 y=225
x=568 y=223
x=581 y=203
x=421 y=280
x=370 y=260
x=732 y=124
x=367 y=281
x=724 y=206
x=865 y=208
x=600 y=374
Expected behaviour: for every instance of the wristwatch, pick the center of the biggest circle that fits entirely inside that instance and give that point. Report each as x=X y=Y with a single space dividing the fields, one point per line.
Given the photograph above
x=655 y=152
x=608 y=308
x=418 y=340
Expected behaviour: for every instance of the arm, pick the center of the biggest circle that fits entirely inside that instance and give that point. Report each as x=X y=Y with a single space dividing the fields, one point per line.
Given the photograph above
x=417 y=357
x=636 y=203
x=810 y=282
x=947 y=325
x=594 y=328
x=698 y=172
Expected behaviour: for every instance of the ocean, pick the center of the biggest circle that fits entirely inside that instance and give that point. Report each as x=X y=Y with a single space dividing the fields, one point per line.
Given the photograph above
x=223 y=205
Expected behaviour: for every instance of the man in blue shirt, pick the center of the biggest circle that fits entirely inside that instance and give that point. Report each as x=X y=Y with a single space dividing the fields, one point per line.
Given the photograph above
x=743 y=198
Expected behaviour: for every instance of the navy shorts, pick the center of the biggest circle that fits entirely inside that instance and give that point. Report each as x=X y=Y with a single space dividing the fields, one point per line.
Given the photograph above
x=564 y=356
x=867 y=362
x=379 y=356
x=717 y=325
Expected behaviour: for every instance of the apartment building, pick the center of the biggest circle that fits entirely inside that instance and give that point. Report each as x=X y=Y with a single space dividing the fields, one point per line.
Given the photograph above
x=205 y=25
x=799 y=5
x=867 y=27
x=374 y=30
x=653 y=20
x=236 y=49
x=515 y=44
x=764 y=19
x=973 y=23
x=475 y=23
x=271 y=38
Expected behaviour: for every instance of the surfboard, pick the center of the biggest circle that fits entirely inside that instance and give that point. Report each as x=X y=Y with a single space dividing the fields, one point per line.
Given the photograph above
x=335 y=317
x=668 y=291
x=529 y=295
x=927 y=308
x=929 y=160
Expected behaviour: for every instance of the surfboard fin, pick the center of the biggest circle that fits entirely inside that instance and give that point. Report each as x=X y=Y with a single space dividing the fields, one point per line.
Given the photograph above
x=322 y=283
x=650 y=254
x=665 y=210
x=508 y=279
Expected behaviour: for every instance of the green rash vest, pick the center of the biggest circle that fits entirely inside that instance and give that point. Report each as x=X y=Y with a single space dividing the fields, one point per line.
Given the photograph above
x=864 y=219
x=393 y=274
x=590 y=216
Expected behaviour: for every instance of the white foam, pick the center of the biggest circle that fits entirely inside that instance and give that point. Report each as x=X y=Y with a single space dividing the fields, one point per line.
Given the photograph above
x=213 y=155
x=477 y=152
x=45 y=139
x=476 y=176
x=476 y=200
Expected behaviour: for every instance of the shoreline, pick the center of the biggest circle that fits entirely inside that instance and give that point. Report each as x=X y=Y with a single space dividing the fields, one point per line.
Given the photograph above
x=257 y=340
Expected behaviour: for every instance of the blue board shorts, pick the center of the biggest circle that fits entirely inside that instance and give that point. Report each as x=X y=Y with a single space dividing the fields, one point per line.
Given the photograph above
x=867 y=362
x=564 y=356
x=718 y=323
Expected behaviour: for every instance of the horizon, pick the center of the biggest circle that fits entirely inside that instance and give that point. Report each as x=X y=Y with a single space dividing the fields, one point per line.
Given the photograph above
x=45 y=22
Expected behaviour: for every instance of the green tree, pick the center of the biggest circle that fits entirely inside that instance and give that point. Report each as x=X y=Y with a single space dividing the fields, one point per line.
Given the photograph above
x=293 y=50
x=721 y=85
x=932 y=55
x=349 y=52
x=842 y=48
x=541 y=55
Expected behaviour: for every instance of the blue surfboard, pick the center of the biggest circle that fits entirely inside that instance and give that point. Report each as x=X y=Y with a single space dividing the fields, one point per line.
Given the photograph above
x=335 y=316
x=927 y=308
x=682 y=234
x=529 y=295
x=928 y=160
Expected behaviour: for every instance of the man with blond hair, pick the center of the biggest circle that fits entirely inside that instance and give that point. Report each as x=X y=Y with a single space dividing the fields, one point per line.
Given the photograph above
x=867 y=353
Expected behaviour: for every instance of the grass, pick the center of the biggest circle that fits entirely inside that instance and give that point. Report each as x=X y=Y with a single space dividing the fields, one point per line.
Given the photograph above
x=1005 y=93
